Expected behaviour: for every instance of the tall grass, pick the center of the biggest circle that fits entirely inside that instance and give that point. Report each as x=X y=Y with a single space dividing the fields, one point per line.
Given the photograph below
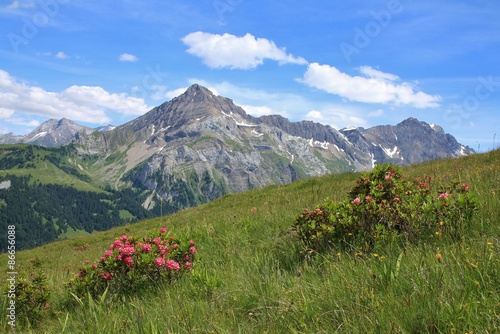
x=250 y=277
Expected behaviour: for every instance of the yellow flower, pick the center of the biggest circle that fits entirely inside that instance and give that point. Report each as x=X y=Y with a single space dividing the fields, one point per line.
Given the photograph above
x=438 y=256
x=438 y=233
x=375 y=255
x=490 y=243
x=441 y=223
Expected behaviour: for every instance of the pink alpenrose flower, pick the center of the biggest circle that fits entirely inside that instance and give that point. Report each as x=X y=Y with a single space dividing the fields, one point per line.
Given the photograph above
x=163 y=230
x=107 y=276
x=357 y=200
x=192 y=250
x=444 y=195
x=159 y=261
x=172 y=265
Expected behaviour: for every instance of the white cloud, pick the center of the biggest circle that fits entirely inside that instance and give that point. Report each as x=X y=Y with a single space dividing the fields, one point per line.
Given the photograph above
x=261 y=110
x=61 y=55
x=247 y=52
x=127 y=57
x=378 y=87
x=376 y=113
x=18 y=4
x=6 y=113
x=337 y=117
x=376 y=74
x=79 y=103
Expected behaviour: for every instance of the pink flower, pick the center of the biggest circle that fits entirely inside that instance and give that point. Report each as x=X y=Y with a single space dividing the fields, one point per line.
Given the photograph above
x=191 y=242
x=87 y=261
x=187 y=257
x=163 y=249
x=116 y=244
x=102 y=259
x=124 y=238
x=146 y=248
x=444 y=195
x=94 y=266
x=127 y=250
x=423 y=185
x=368 y=198
x=129 y=261
x=172 y=265
x=396 y=199
x=175 y=246
x=357 y=200
x=159 y=261
x=192 y=250
x=188 y=265
x=157 y=241
x=107 y=276
x=387 y=177
x=108 y=253
x=466 y=186
x=163 y=230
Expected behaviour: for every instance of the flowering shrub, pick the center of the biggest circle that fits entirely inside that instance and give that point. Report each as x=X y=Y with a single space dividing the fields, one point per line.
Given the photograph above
x=383 y=207
x=130 y=264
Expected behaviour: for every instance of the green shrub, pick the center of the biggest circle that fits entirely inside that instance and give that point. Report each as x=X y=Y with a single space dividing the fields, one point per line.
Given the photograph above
x=131 y=264
x=31 y=297
x=384 y=208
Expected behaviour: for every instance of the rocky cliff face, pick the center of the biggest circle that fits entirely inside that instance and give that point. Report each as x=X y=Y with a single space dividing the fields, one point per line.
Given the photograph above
x=199 y=146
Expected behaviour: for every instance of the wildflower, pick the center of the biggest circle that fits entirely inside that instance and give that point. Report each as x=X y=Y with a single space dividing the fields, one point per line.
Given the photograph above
x=116 y=244
x=107 y=276
x=423 y=185
x=102 y=259
x=438 y=256
x=192 y=250
x=375 y=255
x=368 y=198
x=380 y=186
x=175 y=246
x=127 y=250
x=157 y=241
x=441 y=223
x=444 y=195
x=338 y=256
x=191 y=242
x=172 y=265
x=438 y=233
x=163 y=250
x=490 y=243
x=187 y=257
x=159 y=261
x=396 y=199
x=387 y=177
x=94 y=266
x=188 y=265
x=465 y=186
x=108 y=253
x=163 y=230
x=357 y=200
x=129 y=261
x=124 y=238
x=146 y=248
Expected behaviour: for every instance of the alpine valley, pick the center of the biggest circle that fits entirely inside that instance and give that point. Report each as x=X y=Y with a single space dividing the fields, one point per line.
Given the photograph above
x=191 y=150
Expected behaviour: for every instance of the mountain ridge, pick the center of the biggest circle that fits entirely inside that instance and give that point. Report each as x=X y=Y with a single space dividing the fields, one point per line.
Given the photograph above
x=199 y=146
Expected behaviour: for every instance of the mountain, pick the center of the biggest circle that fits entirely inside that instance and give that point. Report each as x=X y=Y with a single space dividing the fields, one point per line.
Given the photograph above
x=51 y=133
x=198 y=147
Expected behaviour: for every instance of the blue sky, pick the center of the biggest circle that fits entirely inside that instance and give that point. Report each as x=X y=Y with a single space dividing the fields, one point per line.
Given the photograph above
x=343 y=63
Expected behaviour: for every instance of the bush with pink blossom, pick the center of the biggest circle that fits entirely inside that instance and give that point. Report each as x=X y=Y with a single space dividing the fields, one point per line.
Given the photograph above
x=131 y=264
x=384 y=208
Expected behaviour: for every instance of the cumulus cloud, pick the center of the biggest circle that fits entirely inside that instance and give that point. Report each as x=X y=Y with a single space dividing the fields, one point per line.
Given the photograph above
x=79 y=103
x=229 y=51
x=127 y=57
x=374 y=87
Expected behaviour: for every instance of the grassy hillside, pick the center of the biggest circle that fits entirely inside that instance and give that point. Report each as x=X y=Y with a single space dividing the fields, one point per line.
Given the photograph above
x=249 y=276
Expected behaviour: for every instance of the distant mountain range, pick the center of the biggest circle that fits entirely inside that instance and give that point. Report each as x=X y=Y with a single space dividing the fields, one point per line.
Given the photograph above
x=199 y=146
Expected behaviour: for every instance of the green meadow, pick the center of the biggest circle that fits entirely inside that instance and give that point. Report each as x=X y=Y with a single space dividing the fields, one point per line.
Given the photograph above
x=251 y=277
